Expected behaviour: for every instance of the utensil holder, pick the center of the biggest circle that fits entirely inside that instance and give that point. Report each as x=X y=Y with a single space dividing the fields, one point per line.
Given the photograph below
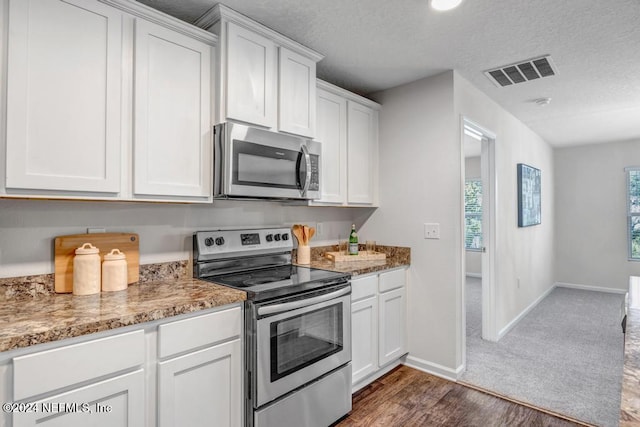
x=304 y=255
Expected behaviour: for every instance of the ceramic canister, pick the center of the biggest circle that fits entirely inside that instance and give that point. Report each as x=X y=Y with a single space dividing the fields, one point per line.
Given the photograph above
x=86 y=270
x=114 y=271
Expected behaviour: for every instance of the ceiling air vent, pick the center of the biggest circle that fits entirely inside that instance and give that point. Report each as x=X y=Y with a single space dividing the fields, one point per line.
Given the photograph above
x=521 y=72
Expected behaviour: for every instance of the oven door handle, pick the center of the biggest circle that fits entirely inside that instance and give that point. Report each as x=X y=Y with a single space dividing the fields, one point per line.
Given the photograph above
x=288 y=306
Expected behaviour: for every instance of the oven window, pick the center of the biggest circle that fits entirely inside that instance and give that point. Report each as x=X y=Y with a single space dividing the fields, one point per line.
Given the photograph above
x=297 y=342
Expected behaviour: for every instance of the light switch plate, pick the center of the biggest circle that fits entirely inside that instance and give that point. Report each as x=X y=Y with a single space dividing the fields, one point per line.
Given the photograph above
x=431 y=230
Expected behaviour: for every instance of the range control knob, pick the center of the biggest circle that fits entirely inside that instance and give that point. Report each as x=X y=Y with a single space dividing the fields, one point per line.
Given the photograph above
x=219 y=241
x=269 y=237
x=277 y=237
x=285 y=236
x=208 y=241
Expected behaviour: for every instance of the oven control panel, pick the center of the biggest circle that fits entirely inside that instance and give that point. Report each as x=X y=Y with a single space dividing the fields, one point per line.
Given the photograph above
x=227 y=243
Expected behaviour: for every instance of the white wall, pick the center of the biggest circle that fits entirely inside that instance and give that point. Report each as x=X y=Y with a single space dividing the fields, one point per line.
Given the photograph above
x=473 y=259
x=420 y=171
x=591 y=221
x=525 y=257
x=28 y=227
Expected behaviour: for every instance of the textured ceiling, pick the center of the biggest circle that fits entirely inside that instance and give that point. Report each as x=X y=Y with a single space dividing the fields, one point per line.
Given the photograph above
x=370 y=45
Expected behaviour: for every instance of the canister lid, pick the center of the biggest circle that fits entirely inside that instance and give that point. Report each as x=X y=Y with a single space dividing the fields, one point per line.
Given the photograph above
x=87 y=249
x=114 y=255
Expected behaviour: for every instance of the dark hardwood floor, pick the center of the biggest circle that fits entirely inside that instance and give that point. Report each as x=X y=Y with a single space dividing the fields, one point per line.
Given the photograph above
x=408 y=397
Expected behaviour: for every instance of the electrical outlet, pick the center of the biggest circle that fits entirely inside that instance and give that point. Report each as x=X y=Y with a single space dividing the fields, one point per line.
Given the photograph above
x=518 y=282
x=431 y=230
x=96 y=230
x=319 y=229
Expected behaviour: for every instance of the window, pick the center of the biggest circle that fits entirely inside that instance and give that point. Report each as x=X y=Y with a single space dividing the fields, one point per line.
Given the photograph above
x=473 y=214
x=633 y=212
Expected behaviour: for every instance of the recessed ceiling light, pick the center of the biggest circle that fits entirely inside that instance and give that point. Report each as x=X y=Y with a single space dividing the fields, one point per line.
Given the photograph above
x=445 y=4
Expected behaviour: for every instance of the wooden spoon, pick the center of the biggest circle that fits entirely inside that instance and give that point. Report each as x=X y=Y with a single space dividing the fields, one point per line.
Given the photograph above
x=306 y=235
x=312 y=231
x=297 y=231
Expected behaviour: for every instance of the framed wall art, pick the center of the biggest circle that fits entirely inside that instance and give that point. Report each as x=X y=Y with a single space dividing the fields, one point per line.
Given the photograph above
x=529 y=196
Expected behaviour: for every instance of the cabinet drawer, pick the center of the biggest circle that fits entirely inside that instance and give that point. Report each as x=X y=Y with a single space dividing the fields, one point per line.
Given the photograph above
x=364 y=287
x=61 y=367
x=392 y=280
x=188 y=334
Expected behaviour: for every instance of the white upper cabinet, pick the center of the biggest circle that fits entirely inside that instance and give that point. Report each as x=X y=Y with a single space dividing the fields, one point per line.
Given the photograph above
x=297 y=94
x=250 y=77
x=332 y=133
x=105 y=100
x=362 y=153
x=347 y=127
x=264 y=78
x=63 y=96
x=172 y=118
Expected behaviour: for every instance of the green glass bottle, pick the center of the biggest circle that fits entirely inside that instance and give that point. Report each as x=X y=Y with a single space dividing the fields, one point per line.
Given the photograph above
x=353 y=241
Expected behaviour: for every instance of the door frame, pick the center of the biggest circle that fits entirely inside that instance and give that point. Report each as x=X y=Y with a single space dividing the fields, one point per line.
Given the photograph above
x=489 y=231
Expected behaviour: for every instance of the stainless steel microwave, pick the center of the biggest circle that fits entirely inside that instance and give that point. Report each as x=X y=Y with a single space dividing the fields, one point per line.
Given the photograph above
x=260 y=164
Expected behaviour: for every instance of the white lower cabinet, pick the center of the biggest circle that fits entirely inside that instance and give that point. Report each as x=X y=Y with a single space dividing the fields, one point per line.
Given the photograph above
x=392 y=325
x=203 y=387
x=364 y=327
x=116 y=402
x=378 y=324
x=184 y=372
x=199 y=387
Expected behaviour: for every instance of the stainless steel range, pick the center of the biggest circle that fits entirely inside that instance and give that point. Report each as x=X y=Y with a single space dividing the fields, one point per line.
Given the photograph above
x=297 y=324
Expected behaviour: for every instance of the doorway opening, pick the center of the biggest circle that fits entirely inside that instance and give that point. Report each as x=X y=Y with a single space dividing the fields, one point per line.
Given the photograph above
x=479 y=227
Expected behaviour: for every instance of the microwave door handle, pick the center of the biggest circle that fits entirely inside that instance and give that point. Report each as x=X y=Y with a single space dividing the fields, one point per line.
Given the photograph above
x=307 y=179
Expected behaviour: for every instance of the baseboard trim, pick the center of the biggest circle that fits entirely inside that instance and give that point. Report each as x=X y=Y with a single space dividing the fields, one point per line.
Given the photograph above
x=590 y=288
x=434 y=368
x=523 y=313
x=474 y=275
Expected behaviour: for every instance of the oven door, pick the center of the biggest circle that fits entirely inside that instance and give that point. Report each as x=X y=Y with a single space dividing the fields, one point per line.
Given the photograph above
x=299 y=341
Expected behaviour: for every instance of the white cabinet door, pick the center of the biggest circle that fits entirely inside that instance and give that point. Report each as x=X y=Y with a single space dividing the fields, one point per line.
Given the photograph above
x=392 y=325
x=251 y=77
x=202 y=388
x=297 y=94
x=364 y=332
x=362 y=147
x=64 y=96
x=116 y=402
x=332 y=134
x=172 y=129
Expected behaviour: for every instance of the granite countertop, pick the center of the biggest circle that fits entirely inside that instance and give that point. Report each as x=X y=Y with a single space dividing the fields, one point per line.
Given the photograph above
x=32 y=313
x=396 y=257
x=630 y=399
x=29 y=319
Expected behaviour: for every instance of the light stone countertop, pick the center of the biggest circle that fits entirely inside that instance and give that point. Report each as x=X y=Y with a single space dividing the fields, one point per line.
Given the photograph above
x=28 y=319
x=32 y=313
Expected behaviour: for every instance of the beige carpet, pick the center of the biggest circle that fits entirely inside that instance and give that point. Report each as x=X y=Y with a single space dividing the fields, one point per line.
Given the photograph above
x=566 y=355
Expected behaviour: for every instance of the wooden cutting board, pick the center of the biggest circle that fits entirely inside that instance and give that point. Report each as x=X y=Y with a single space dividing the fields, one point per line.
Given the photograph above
x=65 y=247
x=362 y=256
